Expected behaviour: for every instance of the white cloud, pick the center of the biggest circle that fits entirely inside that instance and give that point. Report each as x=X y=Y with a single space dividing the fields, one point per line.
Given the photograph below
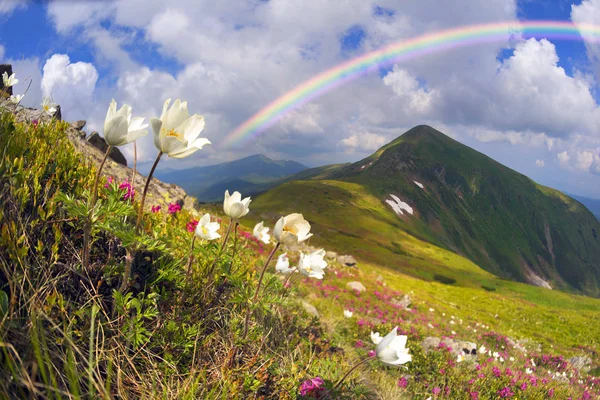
x=8 y=6
x=1 y=53
x=70 y=85
x=588 y=13
x=563 y=158
x=417 y=98
x=363 y=142
x=539 y=163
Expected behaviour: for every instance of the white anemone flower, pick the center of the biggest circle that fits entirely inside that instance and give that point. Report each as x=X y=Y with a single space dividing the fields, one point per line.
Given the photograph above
x=176 y=132
x=312 y=264
x=528 y=371
x=283 y=265
x=120 y=128
x=292 y=229
x=207 y=230
x=482 y=349
x=9 y=80
x=48 y=106
x=376 y=338
x=392 y=349
x=348 y=313
x=460 y=358
x=260 y=232
x=234 y=206
x=16 y=98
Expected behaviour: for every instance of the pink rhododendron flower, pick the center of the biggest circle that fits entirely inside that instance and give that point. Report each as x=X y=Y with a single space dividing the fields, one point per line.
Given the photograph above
x=403 y=382
x=129 y=191
x=109 y=181
x=174 y=208
x=310 y=386
x=155 y=209
x=191 y=226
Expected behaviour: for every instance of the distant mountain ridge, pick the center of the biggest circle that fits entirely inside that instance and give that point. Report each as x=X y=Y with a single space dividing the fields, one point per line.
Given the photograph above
x=451 y=196
x=592 y=204
x=249 y=175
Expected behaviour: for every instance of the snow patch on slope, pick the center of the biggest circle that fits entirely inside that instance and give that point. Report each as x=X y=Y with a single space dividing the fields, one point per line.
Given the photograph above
x=419 y=184
x=398 y=205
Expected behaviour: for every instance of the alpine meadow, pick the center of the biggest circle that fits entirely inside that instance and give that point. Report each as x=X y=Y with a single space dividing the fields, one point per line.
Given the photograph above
x=299 y=200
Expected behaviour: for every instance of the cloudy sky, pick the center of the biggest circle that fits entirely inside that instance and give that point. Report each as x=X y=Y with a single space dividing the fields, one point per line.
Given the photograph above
x=531 y=104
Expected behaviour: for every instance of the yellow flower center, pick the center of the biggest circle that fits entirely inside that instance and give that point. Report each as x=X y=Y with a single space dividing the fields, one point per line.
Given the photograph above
x=46 y=108
x=204 y=230
x=173 y=133
x=290 y=229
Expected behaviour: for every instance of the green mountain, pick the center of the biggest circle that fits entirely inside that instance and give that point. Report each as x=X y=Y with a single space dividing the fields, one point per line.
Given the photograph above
x=249 y=175
x=592 y=204
x=468 y=203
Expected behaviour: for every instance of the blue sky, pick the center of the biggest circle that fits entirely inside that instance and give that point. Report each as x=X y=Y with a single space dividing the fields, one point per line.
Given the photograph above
x=531 y=105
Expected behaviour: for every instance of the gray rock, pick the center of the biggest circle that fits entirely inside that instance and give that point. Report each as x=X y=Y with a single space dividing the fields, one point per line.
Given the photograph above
x=331 y=255
x=359 y=287
x=404 y=302
x=347 y=260
x=310 y=309
x=115 y=154
x=461 y=347
x=78 y=124
x=582 y=363
x=430 y=343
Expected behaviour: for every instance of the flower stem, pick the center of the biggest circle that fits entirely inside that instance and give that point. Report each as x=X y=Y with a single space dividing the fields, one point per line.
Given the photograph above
x=87 y=229
x=212 y=267
x=262 y=274
x=141 y=210
x=235 y=239
x=190 y=260
x=350 y=371
x=134 y=165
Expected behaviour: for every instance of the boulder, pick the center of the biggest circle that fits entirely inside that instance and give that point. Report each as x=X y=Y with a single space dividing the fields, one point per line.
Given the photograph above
x=347 y=260
x=404 y=302
x=430 y=343
x=310 y=309
x=582 y=363
x=359 y=287
x=115 y=154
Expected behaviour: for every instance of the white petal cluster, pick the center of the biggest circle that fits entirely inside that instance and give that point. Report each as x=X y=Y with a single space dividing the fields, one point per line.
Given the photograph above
x=312 y=264
x=177 y=133
x=260 y=232
x=283 y=265
x=207 y=230
x=120 y=128
x=234 y=206
x=292 y=229
x=392 y=350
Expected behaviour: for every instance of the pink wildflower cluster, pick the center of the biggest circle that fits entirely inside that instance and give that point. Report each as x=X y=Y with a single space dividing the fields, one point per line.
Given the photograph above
x=191 y=226
x=249 y=236
x=129 y=191
x=109 y=182
x=312 y=386
x=174 y=208
x=155 y=209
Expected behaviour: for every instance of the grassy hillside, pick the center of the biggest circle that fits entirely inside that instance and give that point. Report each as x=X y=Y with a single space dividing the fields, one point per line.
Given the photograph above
x=470 y=204
x=253 y=174
x=176 y=328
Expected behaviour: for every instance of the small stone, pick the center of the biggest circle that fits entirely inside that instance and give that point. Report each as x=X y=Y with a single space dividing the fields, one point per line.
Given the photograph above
x=347 y=260
x=115 y=154
x=430 y=343
x=331 y=255
x=359 y=287
x=310 y=309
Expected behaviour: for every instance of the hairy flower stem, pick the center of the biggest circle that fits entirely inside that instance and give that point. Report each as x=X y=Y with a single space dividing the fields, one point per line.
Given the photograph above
x=235 y=239
x=190 y=260
x=134 y=165
x=350 y=371
x=262 y=274
x=141 y=210
x=87 y=229
x=212 y=267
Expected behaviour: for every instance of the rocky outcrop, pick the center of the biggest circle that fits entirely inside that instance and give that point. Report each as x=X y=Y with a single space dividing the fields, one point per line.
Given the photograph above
x=357 y=286
x=404 y=302
x=100 y=143
x=468 y=349
x=159 y=193
x=347 y=260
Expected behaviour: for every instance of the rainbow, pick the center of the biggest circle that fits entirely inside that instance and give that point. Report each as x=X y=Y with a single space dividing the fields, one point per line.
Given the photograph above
x=350 y=70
